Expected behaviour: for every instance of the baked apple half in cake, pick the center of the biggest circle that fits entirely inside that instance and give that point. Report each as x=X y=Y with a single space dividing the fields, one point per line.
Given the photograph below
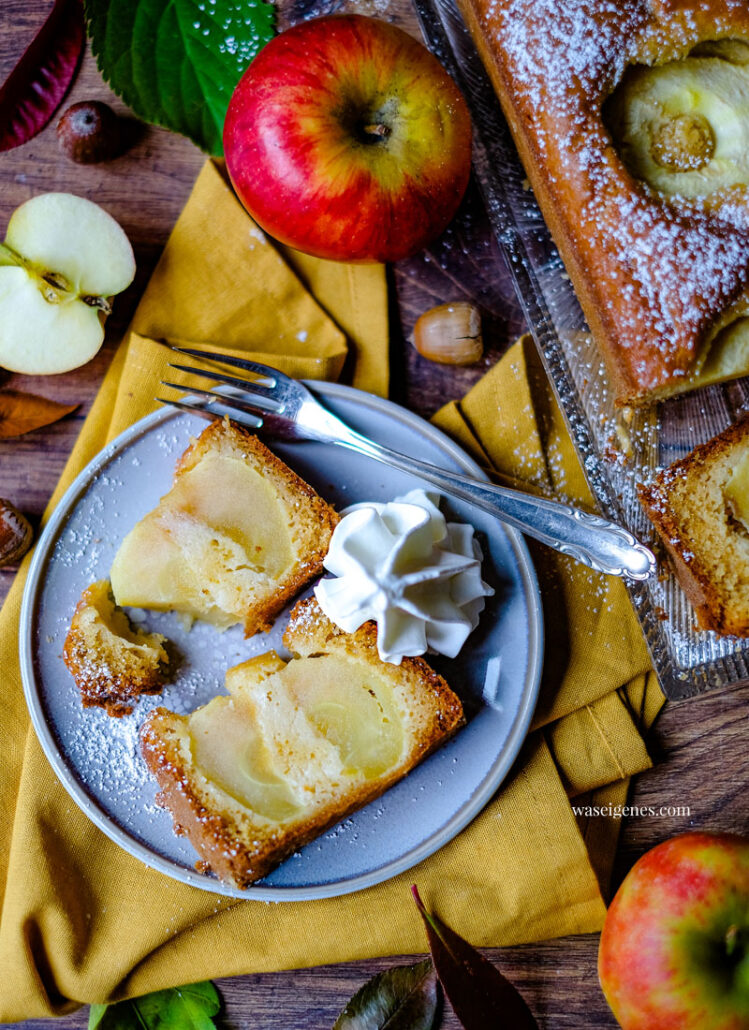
x=682 y=128
x=237 y=536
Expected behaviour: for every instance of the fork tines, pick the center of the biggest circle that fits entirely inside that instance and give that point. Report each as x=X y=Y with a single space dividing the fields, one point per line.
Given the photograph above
x=214 y=406
x=264 y=371
x=252 y=386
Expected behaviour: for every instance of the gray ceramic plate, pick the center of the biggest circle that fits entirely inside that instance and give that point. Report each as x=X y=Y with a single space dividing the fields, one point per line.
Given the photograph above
x=96 y=757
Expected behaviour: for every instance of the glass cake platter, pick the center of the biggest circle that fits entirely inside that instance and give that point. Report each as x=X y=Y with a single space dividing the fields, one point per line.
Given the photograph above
x=617 y=449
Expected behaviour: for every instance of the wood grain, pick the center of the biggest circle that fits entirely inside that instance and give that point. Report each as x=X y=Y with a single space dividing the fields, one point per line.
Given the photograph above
x=700 y=745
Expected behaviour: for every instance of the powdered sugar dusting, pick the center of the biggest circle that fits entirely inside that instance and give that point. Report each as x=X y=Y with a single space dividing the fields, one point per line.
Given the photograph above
x=553 y=45
x=659 y=272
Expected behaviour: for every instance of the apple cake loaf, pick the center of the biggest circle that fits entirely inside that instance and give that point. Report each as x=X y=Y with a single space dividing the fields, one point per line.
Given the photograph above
x=632 y=121
x=700 y=507
x=111 y=661
x=295 y=746
x=237 y=536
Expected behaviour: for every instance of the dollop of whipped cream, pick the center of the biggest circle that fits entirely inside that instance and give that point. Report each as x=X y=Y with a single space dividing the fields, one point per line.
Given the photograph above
x=404 y=566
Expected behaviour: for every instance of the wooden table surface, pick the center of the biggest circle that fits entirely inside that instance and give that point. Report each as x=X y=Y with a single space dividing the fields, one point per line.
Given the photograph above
x=700 y=745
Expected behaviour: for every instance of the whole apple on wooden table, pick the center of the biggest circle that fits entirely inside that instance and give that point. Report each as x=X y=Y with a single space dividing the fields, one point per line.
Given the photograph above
x=347 y=139
x=674 y=952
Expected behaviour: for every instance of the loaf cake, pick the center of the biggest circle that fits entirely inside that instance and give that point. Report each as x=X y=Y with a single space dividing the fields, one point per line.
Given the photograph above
x=631 y=118
x=295 y=746
x=237 y=536
x=111 y=661
x=700 y=507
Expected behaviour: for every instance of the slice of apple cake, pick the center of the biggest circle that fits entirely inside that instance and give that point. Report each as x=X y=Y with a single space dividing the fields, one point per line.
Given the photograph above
x=700 y=507
x=295 y=746
x=237 y=536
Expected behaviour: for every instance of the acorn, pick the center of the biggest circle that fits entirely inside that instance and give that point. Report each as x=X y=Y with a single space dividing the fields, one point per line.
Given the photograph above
x=16 y=534
x=89 y=132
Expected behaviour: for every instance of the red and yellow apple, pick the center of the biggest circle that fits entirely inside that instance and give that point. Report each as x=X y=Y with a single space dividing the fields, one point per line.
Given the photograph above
x=674 y=952
x=347 y=139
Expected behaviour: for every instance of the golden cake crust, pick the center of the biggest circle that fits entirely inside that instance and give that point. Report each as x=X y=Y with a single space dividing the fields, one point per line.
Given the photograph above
x=652 y=276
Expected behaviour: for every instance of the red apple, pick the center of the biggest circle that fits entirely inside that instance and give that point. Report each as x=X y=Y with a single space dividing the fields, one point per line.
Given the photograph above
x=674 y=951
x=347 y=139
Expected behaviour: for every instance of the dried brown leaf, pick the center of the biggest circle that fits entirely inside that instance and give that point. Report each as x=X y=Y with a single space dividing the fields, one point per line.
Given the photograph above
x=23 y=412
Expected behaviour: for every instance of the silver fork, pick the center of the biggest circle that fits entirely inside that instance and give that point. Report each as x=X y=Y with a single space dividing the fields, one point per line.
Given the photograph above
x=286 y=409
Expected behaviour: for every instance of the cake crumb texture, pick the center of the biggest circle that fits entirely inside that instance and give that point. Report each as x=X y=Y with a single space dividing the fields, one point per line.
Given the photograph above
x=709 y=546
x=111 y=661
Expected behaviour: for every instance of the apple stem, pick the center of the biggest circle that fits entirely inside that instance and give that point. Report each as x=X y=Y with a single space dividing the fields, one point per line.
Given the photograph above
x=732 y=936
x=377 y=129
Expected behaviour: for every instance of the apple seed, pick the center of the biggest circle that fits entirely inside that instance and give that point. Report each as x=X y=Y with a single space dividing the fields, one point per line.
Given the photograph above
x=58 y=281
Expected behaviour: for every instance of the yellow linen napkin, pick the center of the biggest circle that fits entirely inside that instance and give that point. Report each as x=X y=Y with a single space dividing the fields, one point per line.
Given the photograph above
x=82 y=921
x=221 y=281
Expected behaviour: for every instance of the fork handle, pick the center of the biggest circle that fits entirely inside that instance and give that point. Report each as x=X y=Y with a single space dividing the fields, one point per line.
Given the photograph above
x=587 y=538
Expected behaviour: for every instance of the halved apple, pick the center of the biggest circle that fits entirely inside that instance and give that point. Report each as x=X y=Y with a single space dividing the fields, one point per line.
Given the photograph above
x=63 y=260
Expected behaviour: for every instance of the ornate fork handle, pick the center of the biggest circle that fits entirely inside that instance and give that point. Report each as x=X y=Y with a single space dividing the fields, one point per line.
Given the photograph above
x=590 y=539
x=289 y=410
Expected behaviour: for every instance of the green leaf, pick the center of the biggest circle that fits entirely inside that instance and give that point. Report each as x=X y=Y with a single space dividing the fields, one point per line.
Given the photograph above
x=402 y=998
x=176 y=62
x=180 y=1008
x=95 y=1014
x=481 y=997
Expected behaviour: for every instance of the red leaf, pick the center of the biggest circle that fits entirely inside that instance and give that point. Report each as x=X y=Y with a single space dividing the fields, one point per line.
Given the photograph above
x=480 y=996
x=35 y=88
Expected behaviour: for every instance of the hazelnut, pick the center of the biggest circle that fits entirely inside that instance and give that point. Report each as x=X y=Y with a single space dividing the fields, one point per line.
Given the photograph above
x=15 y=534
x=450 y=334
x=89 y=132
